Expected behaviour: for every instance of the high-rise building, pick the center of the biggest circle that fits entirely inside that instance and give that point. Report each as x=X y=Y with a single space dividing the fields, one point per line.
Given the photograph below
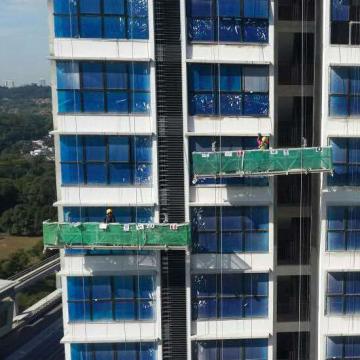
x=273 y=270
x=9 y=84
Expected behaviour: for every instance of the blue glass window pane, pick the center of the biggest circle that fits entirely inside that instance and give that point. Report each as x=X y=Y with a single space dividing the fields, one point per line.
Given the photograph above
x=340 y=176
x=102 y=310
x=229 y=8
x=103 y=351
x=117 y=75
x=120 y=173
x=67 y=75
x=355 y=105
x=78 y=288
x=202 y=77
x=146 y=287
x=140 y=102
x=230 y=218
x=230 y=78
x=146 y=310
x=229 y=30
x=143 y=174
x=124 y=287
x=256 y=307
x=335 y=283
x=143 y=149
x=351 y=347
x=256 y=31
x=354 y=218
x=334 y=347
x=72 y=174
x=68 y=101
x=336 y=217
x=231 y=104
x=256 y=78
x=256 y=218
x=205 y=350
x=352 y=304
x=96 y=173
x=204 y=285
x=204 y=218
x=230 y=308
x=256 y=105
x=138 y=28
x=95 y=214
x=72 y=214
x=147 y=352
x=256 y=8
x=336 y=241
x=340 y=10
x=114 y=27
x=206 y=242
x=92 y=75
x=65 y=6
x=354 y=151
x=203 y=104
x=201 y=29
x=144 y=215
x=338 y=105
x=81 y=352
x=256 y=349
x=231 y=284
x=90 y=27
x=231 y=242
x=339 y=80
x=257 y=242
x=119 y=148
x=101 y=287
x=230 y=349
x=139 y=76
x=125 y=310
x=205 y=309
x=90 y=6
x=95 y=148
x=355 y=81
x=200 y=8
x=93 y=101
x=71 y=148
x=114 y=7
x=339 y=146
x=127 y=351
x=79 y=311
x=137 y=7
x=123 y=216
x=117 y=102
x=353 y=240
x=66 y=26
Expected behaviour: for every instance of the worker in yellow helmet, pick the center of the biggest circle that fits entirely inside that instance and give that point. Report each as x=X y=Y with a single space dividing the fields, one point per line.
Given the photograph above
x=109 y=218
x=263 y=142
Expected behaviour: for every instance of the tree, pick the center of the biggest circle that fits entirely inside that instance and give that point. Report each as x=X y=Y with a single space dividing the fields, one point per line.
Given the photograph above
x=8 y=194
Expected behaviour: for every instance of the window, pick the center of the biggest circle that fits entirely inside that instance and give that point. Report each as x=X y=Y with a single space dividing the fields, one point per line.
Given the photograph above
x=111 y=298
x=118 y=351
x=343 y=228
x=109 y=19
x=344 y=91
x=230 y=229
x=343 y=293
x=244 y=349
x=103 y=87
x=342 y=347
x=245 y=21
x=345 y=22
x=292 y=10
x=346 y=159
x=106 y=160
x=229 y=90
x=229 y=296
x=226 y=143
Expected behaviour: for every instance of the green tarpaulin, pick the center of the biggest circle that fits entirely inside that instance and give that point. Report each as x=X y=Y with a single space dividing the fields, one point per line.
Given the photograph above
x=58 y=235
x=262 y=162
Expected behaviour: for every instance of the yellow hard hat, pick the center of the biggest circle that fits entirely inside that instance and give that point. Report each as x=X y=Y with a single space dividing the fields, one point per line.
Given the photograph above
x=108 y=211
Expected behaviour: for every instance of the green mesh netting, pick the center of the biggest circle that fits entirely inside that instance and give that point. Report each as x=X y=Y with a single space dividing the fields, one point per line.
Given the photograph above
x=263 y=162
x=90 y=234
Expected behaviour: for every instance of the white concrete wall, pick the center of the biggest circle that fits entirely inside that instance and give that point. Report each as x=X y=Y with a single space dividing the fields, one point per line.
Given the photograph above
x=334 y=55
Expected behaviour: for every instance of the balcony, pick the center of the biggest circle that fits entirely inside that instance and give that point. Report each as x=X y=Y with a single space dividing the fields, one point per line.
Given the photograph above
x=128 y=236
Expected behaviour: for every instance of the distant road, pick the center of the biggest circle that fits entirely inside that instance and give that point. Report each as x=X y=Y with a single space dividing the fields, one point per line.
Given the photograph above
x=38 y=340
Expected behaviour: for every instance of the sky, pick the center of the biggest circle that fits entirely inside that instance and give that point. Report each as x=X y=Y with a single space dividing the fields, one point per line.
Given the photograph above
x=24 y=46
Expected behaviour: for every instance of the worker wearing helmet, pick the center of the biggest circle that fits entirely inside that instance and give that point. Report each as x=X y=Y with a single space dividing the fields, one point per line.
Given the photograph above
x=263 y=142
x=109 y=218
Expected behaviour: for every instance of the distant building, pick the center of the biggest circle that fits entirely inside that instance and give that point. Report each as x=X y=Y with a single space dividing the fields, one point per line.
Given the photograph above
x=42 y=82
x=9 y=84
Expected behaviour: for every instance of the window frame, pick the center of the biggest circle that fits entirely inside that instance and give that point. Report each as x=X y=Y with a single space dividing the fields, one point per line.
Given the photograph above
x=133 y=163
x=78 y=15
x=344 y=341
x=218 y=280
x=217 y=93
x=130 y=90
x=242 y=230
x=216 y=19
x=136 y=300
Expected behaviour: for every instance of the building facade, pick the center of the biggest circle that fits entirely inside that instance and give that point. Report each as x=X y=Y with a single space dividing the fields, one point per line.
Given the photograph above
x=138 y=85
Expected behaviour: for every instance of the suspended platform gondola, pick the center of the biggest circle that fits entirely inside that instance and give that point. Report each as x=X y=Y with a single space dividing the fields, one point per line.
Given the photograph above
x=254 y=163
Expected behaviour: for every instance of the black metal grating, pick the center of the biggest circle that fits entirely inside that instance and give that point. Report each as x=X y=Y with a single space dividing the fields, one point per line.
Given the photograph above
x=173 y=305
